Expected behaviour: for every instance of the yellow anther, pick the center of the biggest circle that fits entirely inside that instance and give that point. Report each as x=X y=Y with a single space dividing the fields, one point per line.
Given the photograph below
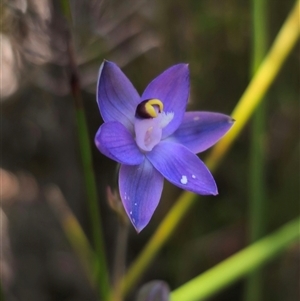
x=150 y=107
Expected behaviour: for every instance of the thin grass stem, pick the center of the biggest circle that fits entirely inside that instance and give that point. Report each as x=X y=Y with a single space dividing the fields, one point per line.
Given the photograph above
x=257 y=191
x=87 y=165
x=92 y=195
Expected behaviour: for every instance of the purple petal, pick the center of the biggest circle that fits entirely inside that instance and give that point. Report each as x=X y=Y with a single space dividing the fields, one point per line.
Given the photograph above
x=116 y=142
x=182 y=168
x=117 y=98
x=172 y=88
x=140 y=190
x=200 y=130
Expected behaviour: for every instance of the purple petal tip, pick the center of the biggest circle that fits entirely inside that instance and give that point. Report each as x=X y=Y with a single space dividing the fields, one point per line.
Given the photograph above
x=138 y=225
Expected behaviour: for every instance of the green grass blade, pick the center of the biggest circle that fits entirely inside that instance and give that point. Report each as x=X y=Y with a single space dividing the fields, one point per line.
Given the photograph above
x=238 y=265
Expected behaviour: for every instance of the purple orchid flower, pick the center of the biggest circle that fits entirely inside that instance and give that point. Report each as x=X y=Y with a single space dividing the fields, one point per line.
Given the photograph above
x=153 y=138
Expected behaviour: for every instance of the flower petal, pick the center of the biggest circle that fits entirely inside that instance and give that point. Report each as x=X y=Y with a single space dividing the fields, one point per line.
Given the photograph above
x=200 y=130
x=172 y=88
x=182 y=168
x=116 y=142
x=116 y=97
x=140 y=190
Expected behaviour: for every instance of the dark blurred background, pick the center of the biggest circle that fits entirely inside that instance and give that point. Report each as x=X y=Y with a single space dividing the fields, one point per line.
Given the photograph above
x=39 y=145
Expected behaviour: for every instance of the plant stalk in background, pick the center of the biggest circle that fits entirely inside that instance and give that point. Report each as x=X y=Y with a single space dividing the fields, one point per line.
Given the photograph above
x=257 y=190
x=87 y=165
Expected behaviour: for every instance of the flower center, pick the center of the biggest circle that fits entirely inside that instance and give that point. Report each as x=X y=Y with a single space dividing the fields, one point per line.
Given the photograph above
x=149 y=122
x=149 y=108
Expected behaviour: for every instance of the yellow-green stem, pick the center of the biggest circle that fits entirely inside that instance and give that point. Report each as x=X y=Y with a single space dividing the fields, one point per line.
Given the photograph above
x=257 y=88
x=238 y=265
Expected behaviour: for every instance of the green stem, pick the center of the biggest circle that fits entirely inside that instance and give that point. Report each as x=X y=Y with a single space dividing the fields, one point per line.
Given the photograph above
x=238 y=265
x=92 y=197
x=257 y=88
x=257 y=193
x=87 y=165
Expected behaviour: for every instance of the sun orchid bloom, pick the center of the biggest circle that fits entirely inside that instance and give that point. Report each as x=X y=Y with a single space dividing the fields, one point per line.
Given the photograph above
x=153 y=138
